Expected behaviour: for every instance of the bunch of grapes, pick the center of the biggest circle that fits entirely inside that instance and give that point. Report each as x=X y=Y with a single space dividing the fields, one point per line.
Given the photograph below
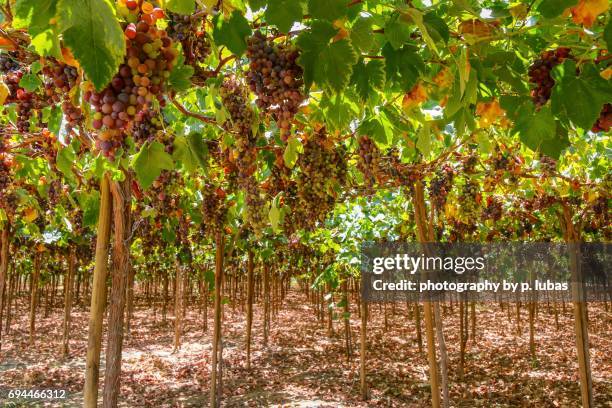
x=469 y=199
x=548 y=164
x=235 y=99
x=493 y=209
x=276 y=79
x=469 y=163
x=280 y=176
x=61 y=79
x=256 y=214
x=370 y=161
x=149 y=126
x=213 y=207
x=9 y=62
x=6 y=163
x=440 y=186
x=604 y=122
x=459 y=230
x=191 y=34
x=539 y=74
x=322 y=168
x=141 y=79
x=24 y=100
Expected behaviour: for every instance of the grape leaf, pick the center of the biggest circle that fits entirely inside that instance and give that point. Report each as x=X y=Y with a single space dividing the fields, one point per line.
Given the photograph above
x=181 y=6
x=554 y=8
x=64 y=160
x=338 y=111
x=579 y=97
x=397 y=31
x=180 y=76
x=361 y=34
x=327 y=9
x=149 y=163
x=232 y=32
x=189 y=151
x=283 y=13
x=93 y=34
x=257 y=4
x=424 y=140
x=402 y=66
x=436 y=27
x=30 y=82
x=35 y=15
x=608 y=35
x=535 y=128
x=368 y=77
x=339 y=58
x=290 y=156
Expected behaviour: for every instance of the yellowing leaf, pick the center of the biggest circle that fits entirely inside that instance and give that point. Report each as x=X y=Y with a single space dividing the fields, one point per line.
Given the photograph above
x=489 y=112
x=4 y=92
x=30 y=214
x=416 y=96
x=587 y=11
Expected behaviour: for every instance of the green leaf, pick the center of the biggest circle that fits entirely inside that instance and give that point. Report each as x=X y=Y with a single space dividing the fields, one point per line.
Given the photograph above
x=35 y=15
x=436 y=27
x=326 y=9
x=554 y=147
x=535 y=128
x=375 y=129
x=290 y=156
x=90 y=204
x=403 y=67
x=275 y=215
x=580 y=97
x=312 y=42
x=336 y=64
x=257 y=4
x=424 y=140
x=417 y=18
x=283 y=13
x=91 y=30
x=181 y=152
x=149 y=163
x=180 y=76
x=368 y=77
x=607 y=35
x=65 y=159
x=554 y=8
x=30 y=82
x=397 y=31
x=232 y=32
x=361 y=34
x=185 y=7
x=338 y=111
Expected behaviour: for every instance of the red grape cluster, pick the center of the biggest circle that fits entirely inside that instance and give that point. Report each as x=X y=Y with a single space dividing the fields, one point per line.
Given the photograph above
x=9 y=62
x=440 y=186
x=6 y=163
x=61 y=79
x=548 y=164
x=539 y=74
x=236 y=101
x=322 y=169
x=25 y=101
x=604 y=122
x=140 y=82
x=370 y=161
x=213 y=207
x=148 y=126
x=493 y=209
x=191 y=34
x=276 y=79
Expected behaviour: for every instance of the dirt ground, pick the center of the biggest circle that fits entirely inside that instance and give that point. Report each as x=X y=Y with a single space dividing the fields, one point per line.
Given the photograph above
x=303 y=367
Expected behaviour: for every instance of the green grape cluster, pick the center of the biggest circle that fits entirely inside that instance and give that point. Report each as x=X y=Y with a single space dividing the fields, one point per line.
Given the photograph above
x=469 y=199
x=322 y=168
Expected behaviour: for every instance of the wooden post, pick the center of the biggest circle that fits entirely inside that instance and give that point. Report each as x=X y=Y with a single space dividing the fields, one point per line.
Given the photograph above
x=217 y=336
x=363 y=383
x=178 y=307
x=266 y=300
x=98 y=298
x=423 y=231
x=4 y=250
x=572 y=237
x=121 y=193
x=68 y=299
x=249 y=317
x=34 y=295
